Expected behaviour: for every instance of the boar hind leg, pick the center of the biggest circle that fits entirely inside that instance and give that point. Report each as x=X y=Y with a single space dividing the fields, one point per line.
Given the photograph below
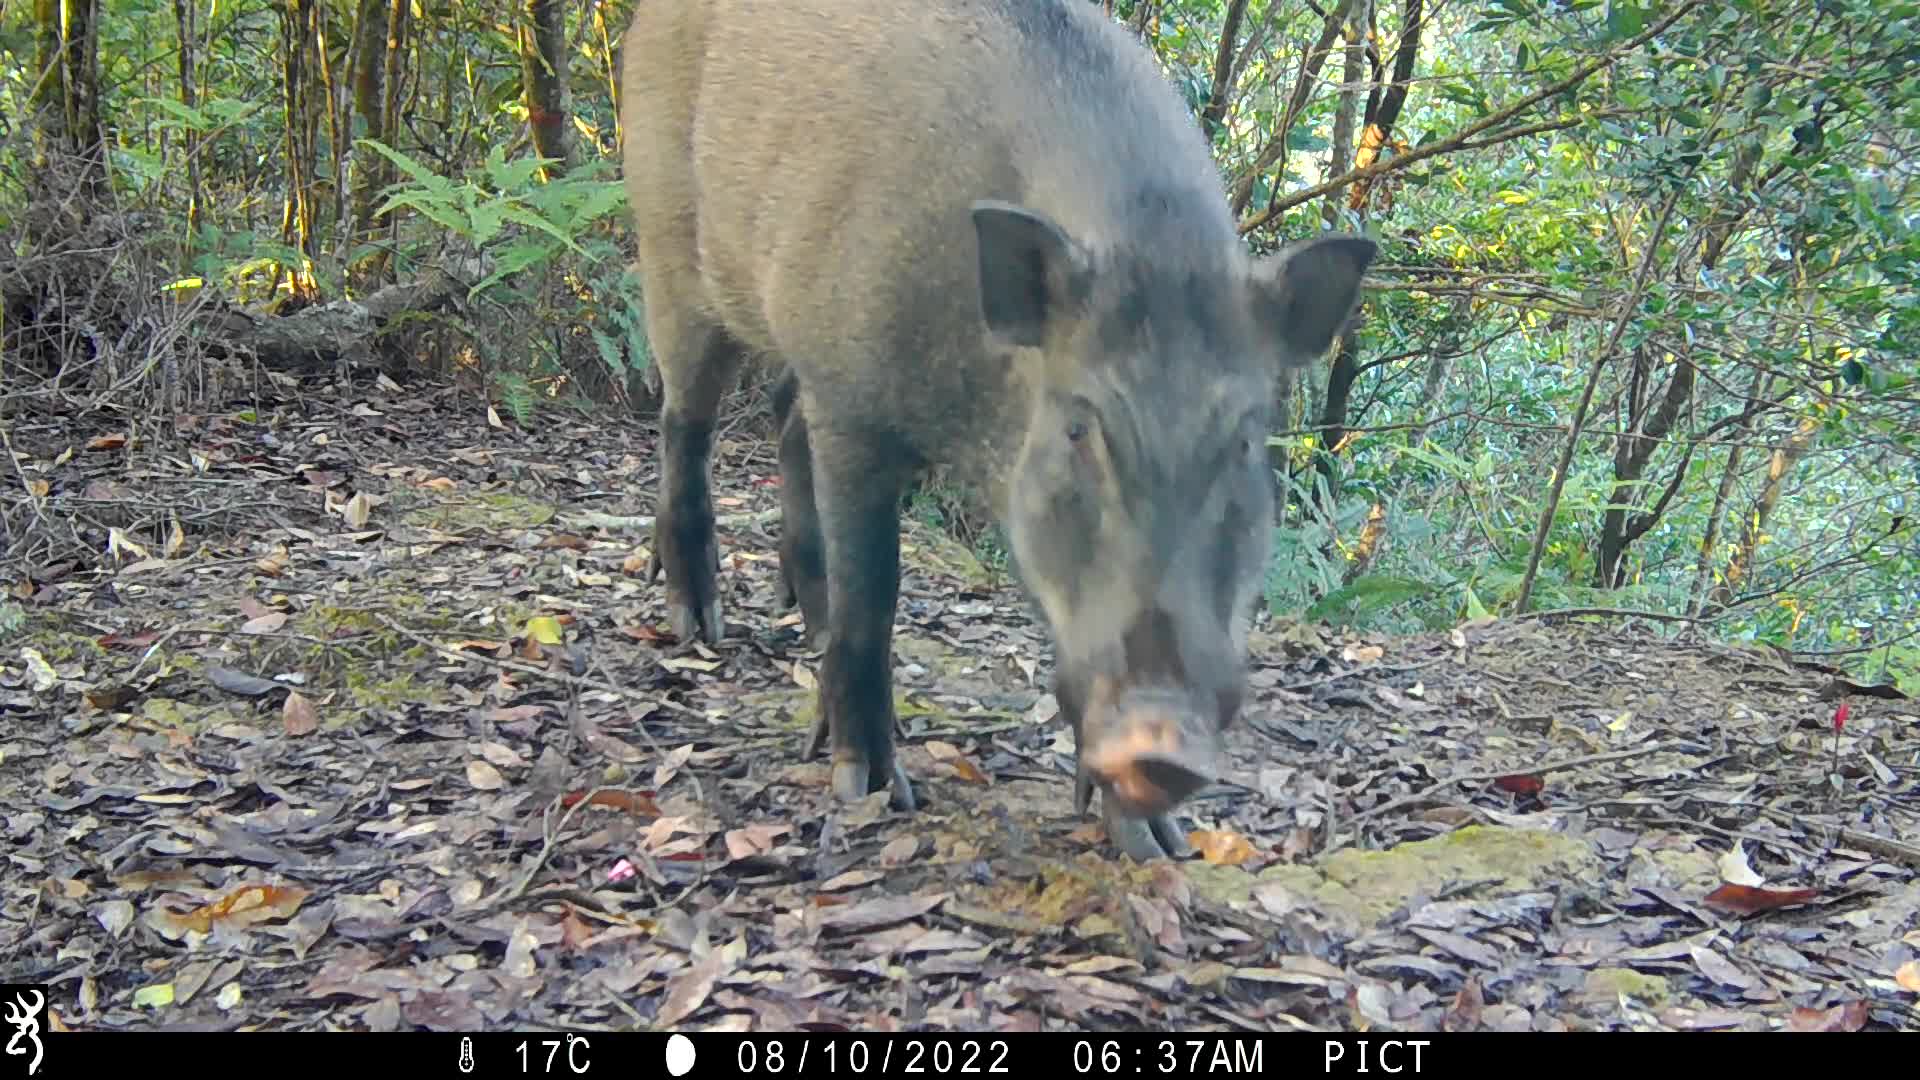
x=698 y=361
x=859 y=512
x=803 y=553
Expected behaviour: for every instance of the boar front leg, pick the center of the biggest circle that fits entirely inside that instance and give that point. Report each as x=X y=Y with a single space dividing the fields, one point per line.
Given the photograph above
x=857 y=487
x=698 y=361
x=803 y=567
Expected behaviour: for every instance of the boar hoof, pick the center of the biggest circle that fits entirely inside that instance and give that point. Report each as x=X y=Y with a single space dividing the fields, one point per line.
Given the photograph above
x=686 y=622
x=854 y=780
x=1148 y=836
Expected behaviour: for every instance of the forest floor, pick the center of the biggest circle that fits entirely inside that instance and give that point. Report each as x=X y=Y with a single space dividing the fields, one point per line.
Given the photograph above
x=356 y=711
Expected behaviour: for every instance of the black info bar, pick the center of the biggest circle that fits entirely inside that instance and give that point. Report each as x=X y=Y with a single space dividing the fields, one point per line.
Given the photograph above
x=1057 y=1056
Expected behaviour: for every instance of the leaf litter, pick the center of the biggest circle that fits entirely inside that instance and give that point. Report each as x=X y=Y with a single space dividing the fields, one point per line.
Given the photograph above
x=362 y=713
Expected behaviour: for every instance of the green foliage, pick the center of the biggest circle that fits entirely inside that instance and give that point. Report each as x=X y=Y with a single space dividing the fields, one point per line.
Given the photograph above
x=503 y=193
x=535 y=232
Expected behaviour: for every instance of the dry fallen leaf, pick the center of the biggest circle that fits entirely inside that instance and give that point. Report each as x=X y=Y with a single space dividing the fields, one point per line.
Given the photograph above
x=240 y=908
x=851 y=879
x=1734 y=868
x=965 y=769
x=139 y=639
x=1520 y=784
x=118 y=541
x=671 y=765
x=899 y=852
x=575 y=932
x=236 y=682
x=1851 y=1016
x=1221 y=847
x=506 y=757
x=1746 y=900
x=874 y=914
x=274 y=564
x=108 y=442
x=687 y=991
x=298 y=716
x=1909 y=976
x=633 y=802
x=1464 y=1013
x=753 y=839
x=109 y=698
x=358 y=511
x=479 y=644
x=484 y=776
x=269 y=623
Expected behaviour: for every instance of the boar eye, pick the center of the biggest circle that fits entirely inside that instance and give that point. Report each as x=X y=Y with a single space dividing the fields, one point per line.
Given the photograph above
x=1076 y=431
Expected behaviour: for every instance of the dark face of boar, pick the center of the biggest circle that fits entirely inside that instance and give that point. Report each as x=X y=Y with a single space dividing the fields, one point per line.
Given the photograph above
x=1140 y=506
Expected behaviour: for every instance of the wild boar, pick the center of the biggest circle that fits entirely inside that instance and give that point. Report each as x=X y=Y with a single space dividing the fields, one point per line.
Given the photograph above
x=985 y=233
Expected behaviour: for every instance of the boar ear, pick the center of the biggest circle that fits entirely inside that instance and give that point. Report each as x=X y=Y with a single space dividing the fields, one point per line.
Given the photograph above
x=1031 y=273
x=1305 y=292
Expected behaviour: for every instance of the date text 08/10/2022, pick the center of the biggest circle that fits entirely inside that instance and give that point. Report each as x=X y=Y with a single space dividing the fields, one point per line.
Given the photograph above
x=1219 y=1056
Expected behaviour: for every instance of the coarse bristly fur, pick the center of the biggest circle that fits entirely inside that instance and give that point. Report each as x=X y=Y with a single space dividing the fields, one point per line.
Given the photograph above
x=984 y=233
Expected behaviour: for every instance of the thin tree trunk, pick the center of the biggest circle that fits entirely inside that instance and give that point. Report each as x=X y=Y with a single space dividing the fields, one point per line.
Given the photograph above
x=1439 y=366
x=543 y=59
x=1722 y=498
x=184 y=12
x=608 y=42
x=46 y=99
x=1619 y=527
x=1353 y=78
x=337 y=151
x=398 y=24
x=84 y=129
x=1274 y=155
x=1214 y=113
x=1345 y=368
x=1753 y=524
x=65 y=95
x=296 y=219
x=366 y=265
x=1384 y=105
x=1644 y=433
x=1577 y=423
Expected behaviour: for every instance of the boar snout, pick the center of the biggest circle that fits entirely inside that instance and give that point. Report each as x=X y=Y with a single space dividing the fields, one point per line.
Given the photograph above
x=1150 y=748
x=1151 y=717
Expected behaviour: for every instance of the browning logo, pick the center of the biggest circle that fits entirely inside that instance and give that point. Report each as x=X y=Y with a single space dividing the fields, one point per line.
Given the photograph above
x=24 y=1008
